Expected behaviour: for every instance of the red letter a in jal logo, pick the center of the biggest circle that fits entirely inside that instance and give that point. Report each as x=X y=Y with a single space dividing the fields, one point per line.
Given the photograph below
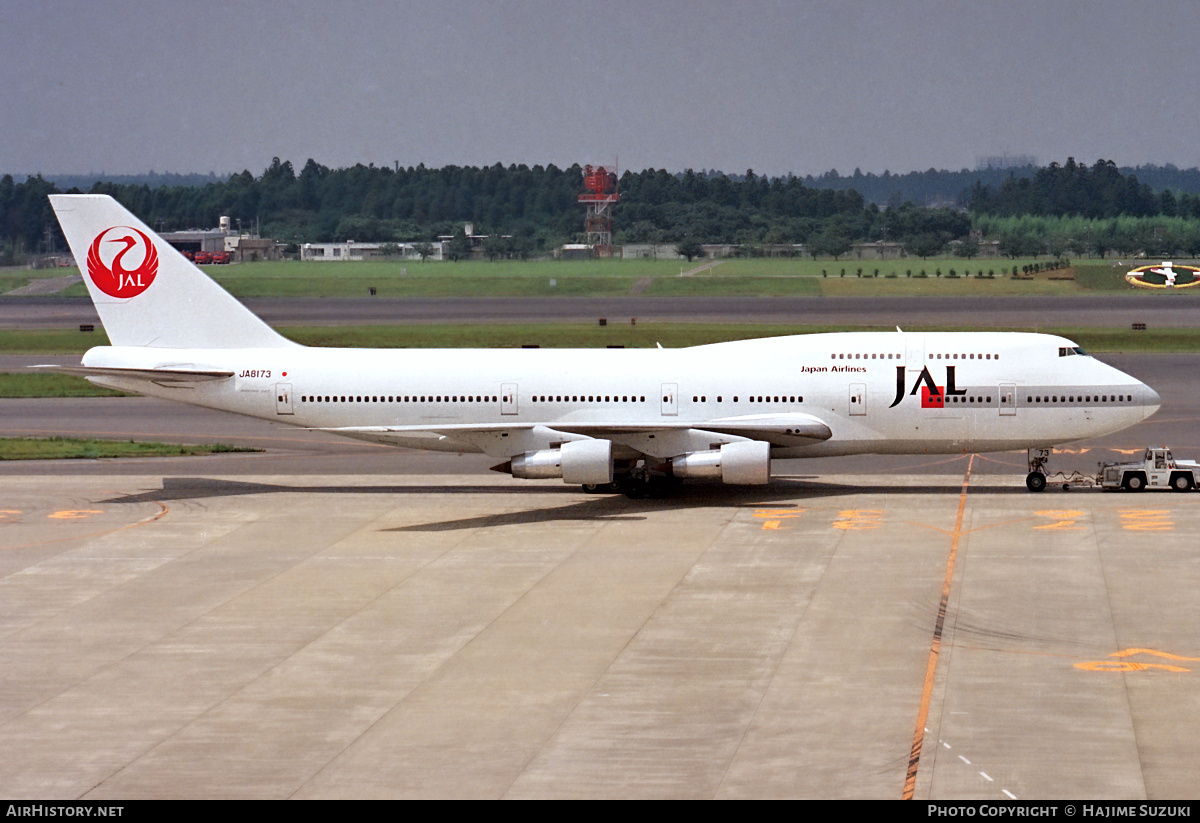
x=122 y=261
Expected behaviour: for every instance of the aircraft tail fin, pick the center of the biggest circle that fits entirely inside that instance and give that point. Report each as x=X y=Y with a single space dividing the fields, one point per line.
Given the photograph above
x=146 y=292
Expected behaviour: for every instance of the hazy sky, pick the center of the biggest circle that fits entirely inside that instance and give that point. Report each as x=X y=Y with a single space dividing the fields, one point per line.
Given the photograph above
x=124 y=86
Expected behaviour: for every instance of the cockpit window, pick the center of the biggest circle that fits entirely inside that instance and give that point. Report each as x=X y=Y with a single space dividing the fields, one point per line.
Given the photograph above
x=1068 y=351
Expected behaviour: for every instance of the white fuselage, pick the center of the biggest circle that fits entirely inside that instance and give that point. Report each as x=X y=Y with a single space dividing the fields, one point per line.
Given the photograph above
x=878 y=392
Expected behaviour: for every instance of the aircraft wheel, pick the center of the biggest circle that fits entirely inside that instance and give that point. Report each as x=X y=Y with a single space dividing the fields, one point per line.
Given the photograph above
x=1181 y=483
x=601 y=488
x=1134 y=482
x=1035 y=481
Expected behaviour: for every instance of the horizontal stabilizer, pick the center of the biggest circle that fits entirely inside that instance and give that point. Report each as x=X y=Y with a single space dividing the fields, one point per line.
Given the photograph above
x=163 y=376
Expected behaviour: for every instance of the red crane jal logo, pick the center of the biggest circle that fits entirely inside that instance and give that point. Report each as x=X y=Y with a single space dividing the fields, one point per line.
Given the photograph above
x=132 y=262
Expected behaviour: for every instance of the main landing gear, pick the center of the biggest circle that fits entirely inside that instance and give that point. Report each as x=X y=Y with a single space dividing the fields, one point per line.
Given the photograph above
x=654 y=486
x=1035 y=481
x=637 y=481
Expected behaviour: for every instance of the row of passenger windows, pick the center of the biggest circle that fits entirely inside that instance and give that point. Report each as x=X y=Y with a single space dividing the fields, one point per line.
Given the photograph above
x=474 y=398
x=761 y=398
x=543 y=398
x=591 y=398
x=1084 y=398
x=696 y=398
x=327 y=398
x=1054 y=398
x=936 y=356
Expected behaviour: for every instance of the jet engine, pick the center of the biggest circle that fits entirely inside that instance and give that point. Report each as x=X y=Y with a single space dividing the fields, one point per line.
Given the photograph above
x=744 y=463
x=577 y=462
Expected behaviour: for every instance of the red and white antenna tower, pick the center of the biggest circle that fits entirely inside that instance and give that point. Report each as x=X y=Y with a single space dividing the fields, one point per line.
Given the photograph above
x=600 y=195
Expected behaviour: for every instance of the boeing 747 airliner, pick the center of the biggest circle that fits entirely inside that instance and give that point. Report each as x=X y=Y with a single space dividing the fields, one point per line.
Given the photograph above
x=608 y=419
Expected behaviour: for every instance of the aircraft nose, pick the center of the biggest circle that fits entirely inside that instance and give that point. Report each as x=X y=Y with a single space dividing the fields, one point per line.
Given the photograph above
x=1150 y=400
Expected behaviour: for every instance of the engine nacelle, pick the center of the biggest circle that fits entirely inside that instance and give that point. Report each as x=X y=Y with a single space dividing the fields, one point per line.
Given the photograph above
x=577 y=461
x=746 y=463
x=537 y=465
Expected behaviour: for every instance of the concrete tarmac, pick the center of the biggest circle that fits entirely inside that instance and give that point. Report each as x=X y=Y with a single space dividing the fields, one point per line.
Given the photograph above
x=336 y=619
x=465 y=636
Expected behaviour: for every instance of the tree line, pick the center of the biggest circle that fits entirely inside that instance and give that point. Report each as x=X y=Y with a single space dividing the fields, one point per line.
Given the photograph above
x=1074 y=189
x=536 y=209
x=942 y=186
x=932 y=187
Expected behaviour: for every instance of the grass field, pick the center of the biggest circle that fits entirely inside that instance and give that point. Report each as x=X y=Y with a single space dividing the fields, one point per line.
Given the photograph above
x=1102 y=278
x=8 y=281
x=62 y=448
x=36 y=384
x=605 y=278
x=15 y=278
x=50 y=341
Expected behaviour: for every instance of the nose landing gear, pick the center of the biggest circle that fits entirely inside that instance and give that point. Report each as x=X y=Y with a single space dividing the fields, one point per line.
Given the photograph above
x=1035 y=481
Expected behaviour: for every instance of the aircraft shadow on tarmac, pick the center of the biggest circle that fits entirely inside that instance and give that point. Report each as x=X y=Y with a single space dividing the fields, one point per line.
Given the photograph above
x=781 y=493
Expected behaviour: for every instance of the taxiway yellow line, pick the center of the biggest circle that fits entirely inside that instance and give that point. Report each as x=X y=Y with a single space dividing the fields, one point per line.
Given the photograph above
x=914 y=758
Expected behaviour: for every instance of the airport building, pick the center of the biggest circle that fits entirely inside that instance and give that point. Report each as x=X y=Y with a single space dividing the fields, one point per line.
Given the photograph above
x=242 y=247
x=351 y=250
x=194 y=240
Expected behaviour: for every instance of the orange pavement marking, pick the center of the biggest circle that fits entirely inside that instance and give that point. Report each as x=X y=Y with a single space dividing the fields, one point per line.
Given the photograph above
x=914 y=757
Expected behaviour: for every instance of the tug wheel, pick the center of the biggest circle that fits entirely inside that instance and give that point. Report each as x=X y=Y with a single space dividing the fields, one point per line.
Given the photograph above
x=1134 y=482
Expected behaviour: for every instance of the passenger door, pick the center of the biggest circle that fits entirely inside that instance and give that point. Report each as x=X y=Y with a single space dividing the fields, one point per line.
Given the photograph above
x=670 y=399
x=508 y=398
x=283 y=398
x=1008 y=400
x=858 y=399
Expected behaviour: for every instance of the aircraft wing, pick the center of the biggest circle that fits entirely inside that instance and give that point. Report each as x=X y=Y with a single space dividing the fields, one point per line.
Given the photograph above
x=776 y=429
x=657 y=438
